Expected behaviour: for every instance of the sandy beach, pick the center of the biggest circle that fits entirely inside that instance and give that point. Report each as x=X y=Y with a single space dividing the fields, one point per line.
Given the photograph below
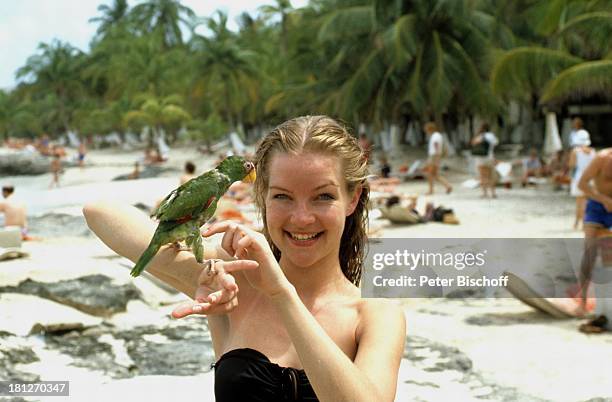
x=464 y=349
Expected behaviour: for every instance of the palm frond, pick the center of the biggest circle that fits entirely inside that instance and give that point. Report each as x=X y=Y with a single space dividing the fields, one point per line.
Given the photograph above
x=525 y=70
x=347 y=23
x=585 y=79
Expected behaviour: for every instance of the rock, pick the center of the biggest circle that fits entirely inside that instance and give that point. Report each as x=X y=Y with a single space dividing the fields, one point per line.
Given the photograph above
x=186 y=349
x=92 y=294
x=174 y=349
x=14 y=163
x=88 y=352
x=436 y=356
x=147 y=172
x=24 y=314
x=58 y=225
x=13 y=352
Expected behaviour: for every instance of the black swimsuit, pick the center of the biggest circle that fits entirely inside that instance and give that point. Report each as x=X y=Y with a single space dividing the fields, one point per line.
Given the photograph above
x=248 y=375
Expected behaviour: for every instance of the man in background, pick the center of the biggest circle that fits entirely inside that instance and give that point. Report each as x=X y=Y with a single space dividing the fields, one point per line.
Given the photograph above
x=189 y=172
x=14 y=211
x=435 y=151
x=597 y=226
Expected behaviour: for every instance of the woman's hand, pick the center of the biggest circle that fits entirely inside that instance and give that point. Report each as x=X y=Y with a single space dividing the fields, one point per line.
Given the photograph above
x=247 y=244
x=217 y=291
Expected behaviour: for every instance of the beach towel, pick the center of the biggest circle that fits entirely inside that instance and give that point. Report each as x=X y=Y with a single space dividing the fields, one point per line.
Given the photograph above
x=399 y=215
x=504 y=170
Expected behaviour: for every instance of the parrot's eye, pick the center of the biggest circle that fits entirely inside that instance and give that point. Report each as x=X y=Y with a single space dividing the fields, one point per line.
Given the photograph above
x=248 y=166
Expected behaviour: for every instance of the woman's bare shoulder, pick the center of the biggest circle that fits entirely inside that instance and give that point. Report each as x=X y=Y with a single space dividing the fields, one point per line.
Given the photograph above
x=376 y=312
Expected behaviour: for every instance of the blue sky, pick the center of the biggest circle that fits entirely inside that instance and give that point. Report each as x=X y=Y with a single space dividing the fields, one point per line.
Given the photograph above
x=26 y=23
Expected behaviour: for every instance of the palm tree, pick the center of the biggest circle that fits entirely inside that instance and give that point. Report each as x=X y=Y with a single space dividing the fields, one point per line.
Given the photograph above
x=159 y=114
x=56 y=70
x=165 y=17
x=129 y=65
x=282 y=9
x=111 y=16
x=569 y=68
x=414 y=52
x=226 y=71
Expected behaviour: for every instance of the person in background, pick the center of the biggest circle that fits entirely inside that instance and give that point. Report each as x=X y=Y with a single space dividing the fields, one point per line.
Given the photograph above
x=577 y=132
x=435 y=152
x=56 y=170
x=581 y=156
x=82 y=153
x=596 y=184
x=14 y=212
x=485 y=141
x=189 y=172
x=532 y=166
x=136 y=172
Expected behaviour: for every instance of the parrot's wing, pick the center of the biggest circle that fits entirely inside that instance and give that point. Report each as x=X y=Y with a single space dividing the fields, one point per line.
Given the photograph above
x=190 y=199
x=163 y=205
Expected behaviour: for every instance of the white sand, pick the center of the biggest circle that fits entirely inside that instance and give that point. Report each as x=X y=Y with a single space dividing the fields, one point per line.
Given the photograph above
x=537 y=356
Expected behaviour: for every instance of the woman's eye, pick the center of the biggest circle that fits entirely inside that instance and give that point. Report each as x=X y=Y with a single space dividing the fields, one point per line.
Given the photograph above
x=279 y=196
x=326 y=196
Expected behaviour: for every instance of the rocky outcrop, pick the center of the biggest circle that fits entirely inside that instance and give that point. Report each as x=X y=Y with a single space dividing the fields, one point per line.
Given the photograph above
x=58 y=225
x=23 y=315
x=169 y=349
x=93 y=294
x=14 y=163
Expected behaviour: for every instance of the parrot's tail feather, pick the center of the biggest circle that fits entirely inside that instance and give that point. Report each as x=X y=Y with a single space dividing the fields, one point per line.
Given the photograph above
x=144 y=259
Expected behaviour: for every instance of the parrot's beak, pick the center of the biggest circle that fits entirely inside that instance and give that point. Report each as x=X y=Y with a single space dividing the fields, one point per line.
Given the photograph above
x=250 y=178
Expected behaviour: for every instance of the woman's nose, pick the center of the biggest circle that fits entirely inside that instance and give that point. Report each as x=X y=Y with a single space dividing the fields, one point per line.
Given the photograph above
x=302 y=215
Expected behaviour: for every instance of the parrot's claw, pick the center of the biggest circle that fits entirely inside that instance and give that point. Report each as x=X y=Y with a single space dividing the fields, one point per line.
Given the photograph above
x=179 y=247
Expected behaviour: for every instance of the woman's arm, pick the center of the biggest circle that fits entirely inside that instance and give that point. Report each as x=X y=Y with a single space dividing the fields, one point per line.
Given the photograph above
x=127 y=231
x=334 y=377
x=572 y=160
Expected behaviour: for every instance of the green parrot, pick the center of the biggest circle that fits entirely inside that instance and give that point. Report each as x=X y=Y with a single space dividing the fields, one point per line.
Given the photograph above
x=187 y=208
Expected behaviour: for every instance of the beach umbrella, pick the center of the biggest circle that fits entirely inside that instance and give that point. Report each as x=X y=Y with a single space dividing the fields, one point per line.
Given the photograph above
x=552 y=141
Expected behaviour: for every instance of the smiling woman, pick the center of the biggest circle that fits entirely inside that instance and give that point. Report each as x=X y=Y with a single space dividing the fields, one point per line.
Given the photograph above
x=301 y=330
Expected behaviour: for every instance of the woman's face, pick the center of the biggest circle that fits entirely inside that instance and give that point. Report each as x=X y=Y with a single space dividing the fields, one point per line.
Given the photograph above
x=306 y=207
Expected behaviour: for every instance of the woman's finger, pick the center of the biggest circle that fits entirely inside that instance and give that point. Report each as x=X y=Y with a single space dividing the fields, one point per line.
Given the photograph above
x=189 y=308
x=239 y=265
x=228 y=282
x=228 y=238
x=218 y=227
x=220 y=296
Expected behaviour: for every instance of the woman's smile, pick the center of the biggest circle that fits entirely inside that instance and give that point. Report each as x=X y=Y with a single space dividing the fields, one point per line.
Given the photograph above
x=300 y=239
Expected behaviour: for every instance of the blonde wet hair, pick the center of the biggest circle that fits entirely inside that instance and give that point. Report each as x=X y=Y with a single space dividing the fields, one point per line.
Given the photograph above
x=321 y=134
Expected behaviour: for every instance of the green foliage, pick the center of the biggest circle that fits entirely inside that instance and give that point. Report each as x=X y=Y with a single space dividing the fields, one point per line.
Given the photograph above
x=582 y=80
x=374 y=61
x=524 y=71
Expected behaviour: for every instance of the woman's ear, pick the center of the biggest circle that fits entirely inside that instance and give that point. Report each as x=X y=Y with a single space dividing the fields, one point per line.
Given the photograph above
x=354 y=200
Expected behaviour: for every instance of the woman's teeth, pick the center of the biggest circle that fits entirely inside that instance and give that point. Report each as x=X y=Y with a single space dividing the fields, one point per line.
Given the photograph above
x=301 y=236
